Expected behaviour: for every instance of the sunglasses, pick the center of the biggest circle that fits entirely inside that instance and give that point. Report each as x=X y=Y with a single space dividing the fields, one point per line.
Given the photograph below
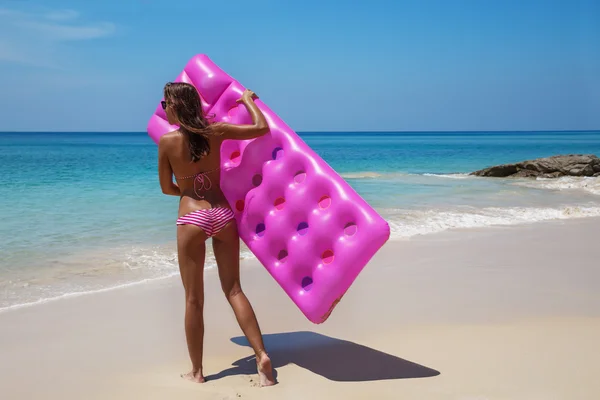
x=163 y=104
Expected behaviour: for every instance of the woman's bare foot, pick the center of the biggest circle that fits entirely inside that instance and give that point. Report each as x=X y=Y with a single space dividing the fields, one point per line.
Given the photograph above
x=265 y=370
x=194 y=376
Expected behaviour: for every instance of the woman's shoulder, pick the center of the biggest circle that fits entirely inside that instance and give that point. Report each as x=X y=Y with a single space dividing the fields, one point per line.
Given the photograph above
x=169 y=137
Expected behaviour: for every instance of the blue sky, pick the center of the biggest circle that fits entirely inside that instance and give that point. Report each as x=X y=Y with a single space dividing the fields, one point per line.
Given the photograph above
x=320 y=64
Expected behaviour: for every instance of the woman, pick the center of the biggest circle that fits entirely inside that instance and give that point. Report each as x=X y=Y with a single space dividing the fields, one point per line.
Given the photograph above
x=192 y=155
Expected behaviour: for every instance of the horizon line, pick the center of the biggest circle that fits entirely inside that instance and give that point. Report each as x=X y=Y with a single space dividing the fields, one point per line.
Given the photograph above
x=341 y=131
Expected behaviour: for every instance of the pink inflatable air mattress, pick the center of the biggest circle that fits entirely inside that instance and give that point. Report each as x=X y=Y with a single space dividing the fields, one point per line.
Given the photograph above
x=304 y=223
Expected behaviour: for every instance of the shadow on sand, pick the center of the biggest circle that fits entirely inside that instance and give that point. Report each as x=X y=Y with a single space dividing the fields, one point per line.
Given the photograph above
x=334 y=359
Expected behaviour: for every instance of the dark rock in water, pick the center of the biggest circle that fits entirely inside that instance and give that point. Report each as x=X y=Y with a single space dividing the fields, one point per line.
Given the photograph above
x=549 y=167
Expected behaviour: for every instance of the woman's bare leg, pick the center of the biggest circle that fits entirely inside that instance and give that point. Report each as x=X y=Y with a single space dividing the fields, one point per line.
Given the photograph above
x=226 y=246
x=191 y=249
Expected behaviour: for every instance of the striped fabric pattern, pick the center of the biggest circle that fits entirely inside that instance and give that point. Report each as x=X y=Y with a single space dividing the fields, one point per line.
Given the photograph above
x=210 y=220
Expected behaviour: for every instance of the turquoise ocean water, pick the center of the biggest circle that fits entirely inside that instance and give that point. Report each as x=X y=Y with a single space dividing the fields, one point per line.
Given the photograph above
x=82 y=212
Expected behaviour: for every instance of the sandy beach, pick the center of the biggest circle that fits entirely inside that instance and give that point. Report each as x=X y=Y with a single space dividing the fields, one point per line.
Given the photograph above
x=480 y=314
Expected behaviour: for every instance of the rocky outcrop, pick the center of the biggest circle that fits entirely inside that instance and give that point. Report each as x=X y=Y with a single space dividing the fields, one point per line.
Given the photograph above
x=549 y=167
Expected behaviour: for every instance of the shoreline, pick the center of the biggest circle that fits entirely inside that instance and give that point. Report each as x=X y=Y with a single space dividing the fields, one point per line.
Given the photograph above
x=252 y=259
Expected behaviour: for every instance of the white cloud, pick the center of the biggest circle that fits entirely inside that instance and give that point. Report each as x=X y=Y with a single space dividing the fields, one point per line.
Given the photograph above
x=35 y=37
x=56 y=32
x=62 y=15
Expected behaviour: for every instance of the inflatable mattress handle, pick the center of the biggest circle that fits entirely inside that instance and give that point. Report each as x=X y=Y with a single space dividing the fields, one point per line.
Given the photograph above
x=302 y=221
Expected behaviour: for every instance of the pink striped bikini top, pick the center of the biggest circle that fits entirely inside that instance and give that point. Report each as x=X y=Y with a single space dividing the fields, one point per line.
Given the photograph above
x=201 y=181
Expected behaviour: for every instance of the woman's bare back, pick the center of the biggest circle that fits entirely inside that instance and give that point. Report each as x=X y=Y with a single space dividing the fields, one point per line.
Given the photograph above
x=200 y=181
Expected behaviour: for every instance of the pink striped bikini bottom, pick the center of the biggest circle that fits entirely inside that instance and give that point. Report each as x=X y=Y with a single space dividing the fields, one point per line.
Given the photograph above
x=211 y=220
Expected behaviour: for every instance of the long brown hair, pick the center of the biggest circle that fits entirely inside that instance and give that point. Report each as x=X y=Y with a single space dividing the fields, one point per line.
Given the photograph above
x=185 y=100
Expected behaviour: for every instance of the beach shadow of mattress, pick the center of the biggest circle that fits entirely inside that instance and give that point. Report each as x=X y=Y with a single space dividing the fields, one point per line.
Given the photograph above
x=334 y=359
